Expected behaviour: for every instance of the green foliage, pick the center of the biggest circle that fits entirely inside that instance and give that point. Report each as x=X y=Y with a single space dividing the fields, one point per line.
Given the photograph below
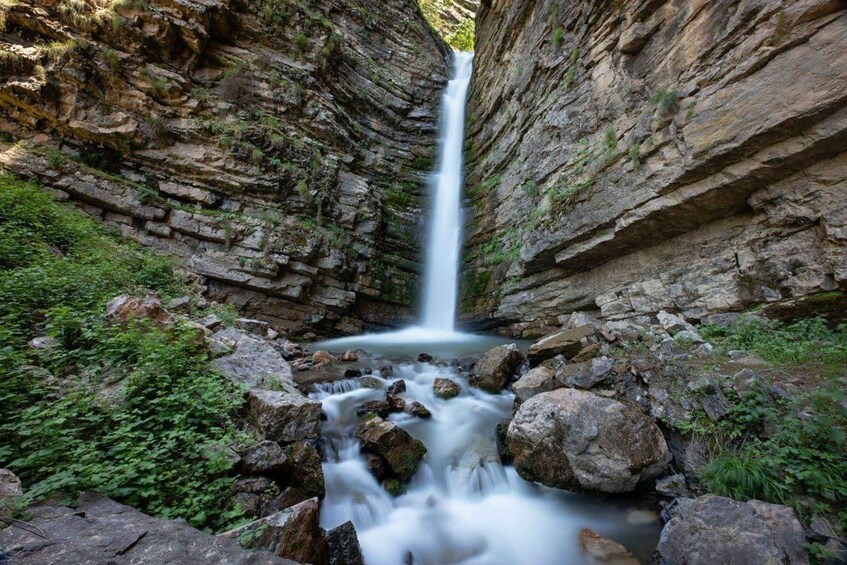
x=111 y=58
x=635 y=154
x=801 y=462
x=610 y=139
x=664 y=101
x=274 y=13
x=558 y=37
x=569 y=78
x=137 y=413
x=463 y=38
x=301 y=41
x=811 y=341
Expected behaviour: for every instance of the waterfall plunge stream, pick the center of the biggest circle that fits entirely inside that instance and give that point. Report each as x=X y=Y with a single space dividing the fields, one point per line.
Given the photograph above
x=463 y=505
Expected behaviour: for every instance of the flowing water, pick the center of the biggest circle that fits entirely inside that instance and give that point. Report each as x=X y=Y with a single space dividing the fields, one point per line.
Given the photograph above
x=463 y=505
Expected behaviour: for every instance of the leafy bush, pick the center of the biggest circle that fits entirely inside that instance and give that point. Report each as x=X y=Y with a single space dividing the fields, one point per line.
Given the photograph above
x=558 y=36
x=665 y=101
x=463 y=38
x=135 y=414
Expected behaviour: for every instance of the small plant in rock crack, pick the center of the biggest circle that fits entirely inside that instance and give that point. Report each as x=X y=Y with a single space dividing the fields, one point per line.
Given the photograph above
x=664 y=101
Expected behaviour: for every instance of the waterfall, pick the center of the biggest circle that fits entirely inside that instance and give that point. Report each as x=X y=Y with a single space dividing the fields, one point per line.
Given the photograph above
x=444 y=240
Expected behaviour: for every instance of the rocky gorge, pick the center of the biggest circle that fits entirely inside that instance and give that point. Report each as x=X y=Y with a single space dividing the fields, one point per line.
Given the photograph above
x=197 y=197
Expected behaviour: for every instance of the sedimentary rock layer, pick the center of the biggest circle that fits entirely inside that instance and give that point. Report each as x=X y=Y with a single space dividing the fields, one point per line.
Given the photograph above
x=278 y=148
x=627 y=157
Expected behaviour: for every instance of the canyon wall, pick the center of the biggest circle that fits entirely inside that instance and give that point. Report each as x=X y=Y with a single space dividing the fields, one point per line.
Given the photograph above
x=627 y=157
x=278 y=148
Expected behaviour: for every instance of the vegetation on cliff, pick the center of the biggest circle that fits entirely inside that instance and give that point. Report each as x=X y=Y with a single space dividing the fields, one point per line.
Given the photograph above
x=459 y=35
x=133 y=413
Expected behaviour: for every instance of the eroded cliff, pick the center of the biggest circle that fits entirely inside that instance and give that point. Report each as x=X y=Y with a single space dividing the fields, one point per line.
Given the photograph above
x=627 y=157
x=279 y=148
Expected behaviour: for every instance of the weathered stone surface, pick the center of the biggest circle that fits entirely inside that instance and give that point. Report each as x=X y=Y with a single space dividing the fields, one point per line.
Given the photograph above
x=125 y=308
x=10 y=489
x=293 y=533
x=343 y=545
x=285 y=415
x=265 y=458
x=535 y=381
x=568 y=343
x=226 y=166
x=575 y=439
x=397 y=387
x=324 y=358
x=252 y=361
x=614 y=166
x=603 y=551
x=672 y=486
x=446 y=388
x=304 y=469
x=674 y=324
x=584 y=375
x=714 y=529
x=494 y=369
x=256 y=496
x=415 y=408
x=123 y=536
x=401 y=451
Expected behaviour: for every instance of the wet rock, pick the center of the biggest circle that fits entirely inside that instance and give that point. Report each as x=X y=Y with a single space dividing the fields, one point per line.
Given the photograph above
x=323 y=359
x=125 y=308
x=445 y=388
x=425 y=358
x=690 y=452
x=568 y=343
x=395 y=403
x=349 y=357
x=603 y=551
x=415 y=408
x=377 y=466
x=343 y=545
x=672 y=486
x=66 y=535
x=535 y=381
x=293 y=533
x=370 y=382
x=386 y=371
x=256 y=496
x=574 y=439
x=286 y=499
x=352 y=374
x=255 y=327
x=494 y=369
x=10 y=490
x=379 y=407
x=714 y=529
x=265 y=458
x=401 y=451
x=251 y=360
x=584 y=375
x=284 y=415
x=305 y=472
x=397 y=387
x=503 y=450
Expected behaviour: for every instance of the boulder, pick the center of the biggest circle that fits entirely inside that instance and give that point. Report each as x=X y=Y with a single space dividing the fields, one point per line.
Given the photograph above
x=568 y=343
x=494 y=369
x=284 y=416
x=674 y=324
x=305 y=472
x=713 y=529
x=181 y=304
x=349 y=357
x=324 y=358
x=415 y=408
x=255 y=495
x=250 y=360
x=500 y=433
x=210 y=322
x=603 y=551
x=584 y=375
x=424 y=358
x=293 y=533
x=379 y=407
x=255 y=327
x=10 y=490
x=401 y=451
x=265 y=458
x=42 y=343
x=445 y=388
x=672 y=486
x=125 y=308
x=397 y=387
x=577 y=440
x=395 y=402
x=343 y=545
x=535 y=381
x=100 y=530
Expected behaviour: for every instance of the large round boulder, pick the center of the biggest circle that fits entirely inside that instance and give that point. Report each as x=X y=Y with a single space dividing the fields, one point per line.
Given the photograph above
x=577 y=440
x=714 y=529
x=494 y=369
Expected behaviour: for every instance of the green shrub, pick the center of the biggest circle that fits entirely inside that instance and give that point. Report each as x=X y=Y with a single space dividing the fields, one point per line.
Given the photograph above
x=463 y=38
x=301 y=41
x=136 y=414
x=665 y=101
x=558 y=37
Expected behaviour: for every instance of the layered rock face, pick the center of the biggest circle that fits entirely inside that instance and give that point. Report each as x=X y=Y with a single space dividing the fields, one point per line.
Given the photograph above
x=279 y=149
x=636 y=156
